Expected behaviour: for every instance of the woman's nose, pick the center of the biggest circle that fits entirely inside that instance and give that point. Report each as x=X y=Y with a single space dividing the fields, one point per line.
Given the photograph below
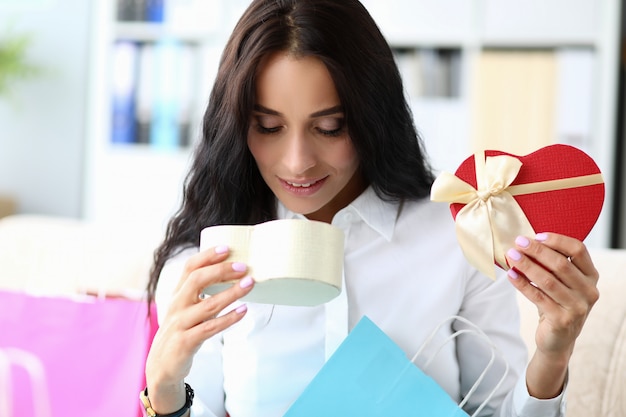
x=299 y=155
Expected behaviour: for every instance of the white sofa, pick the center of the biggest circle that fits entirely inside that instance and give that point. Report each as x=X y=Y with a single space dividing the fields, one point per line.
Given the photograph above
x=55 y=255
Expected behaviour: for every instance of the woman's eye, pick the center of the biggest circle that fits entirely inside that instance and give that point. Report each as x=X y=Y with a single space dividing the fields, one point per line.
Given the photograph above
x=334 y=132
x=331 y=128
x=267 y=124
x=266 y=130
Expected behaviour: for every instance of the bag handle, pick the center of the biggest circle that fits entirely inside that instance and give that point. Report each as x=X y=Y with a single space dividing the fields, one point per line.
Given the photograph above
x=6 y=393
x=35 y=370
x=477 y=331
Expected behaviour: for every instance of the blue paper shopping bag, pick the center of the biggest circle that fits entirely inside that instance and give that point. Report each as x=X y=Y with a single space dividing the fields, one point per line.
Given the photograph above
x=369 y=375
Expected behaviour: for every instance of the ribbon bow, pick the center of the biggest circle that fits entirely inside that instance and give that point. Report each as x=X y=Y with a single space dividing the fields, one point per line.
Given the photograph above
x=491 y=219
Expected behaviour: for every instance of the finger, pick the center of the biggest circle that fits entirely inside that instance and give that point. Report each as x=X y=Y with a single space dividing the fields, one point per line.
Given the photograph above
x=206 y=276
x=551 y=260
x=537 y=283
x=176 y=341
x=212 y=306
x=551 y=272
x=201 y=259
x=534 y=294
x=536 y=262
x=209 y=328
x=202 y=321
x=189 y=327
x=565 y=312
x=572 y=248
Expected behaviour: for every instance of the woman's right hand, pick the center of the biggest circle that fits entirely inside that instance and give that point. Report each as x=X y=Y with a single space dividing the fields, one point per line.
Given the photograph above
x=190 y=320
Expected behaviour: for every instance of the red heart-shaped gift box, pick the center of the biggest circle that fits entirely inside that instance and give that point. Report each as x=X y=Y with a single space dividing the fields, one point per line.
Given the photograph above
x=570 y=211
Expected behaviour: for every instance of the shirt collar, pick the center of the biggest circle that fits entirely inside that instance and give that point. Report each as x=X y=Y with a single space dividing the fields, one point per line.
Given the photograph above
x=378 y=214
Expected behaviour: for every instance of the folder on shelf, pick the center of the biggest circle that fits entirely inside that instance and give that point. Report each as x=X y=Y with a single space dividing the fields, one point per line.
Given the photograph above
x=131 y=10
x=171 y=94
x=154 y=11
x=515 y=95
x=410 y=70
x=145 y=86
x=123 y=95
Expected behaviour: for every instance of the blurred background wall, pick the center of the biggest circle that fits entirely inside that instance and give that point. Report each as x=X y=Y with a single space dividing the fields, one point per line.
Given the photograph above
x=43 y=119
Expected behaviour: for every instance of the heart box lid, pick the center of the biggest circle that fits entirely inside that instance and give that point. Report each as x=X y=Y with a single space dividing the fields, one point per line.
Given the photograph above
x=496 y=196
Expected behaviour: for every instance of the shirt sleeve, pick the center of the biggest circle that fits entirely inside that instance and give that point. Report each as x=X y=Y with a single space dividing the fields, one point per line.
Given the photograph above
x=527 y=406
x=206 y=376
x=492 y=306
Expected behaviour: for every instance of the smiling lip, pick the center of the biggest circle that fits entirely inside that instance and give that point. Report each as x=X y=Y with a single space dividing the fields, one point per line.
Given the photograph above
x=303 y=188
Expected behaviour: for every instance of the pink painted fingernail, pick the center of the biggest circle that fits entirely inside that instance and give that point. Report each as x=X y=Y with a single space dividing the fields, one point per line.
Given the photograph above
x=513 y=254
x=522 y=241
x=511 y=273
x=239 y=266
x=221 y=249
x=246 y=282
x=241 y=309
x=541 y=237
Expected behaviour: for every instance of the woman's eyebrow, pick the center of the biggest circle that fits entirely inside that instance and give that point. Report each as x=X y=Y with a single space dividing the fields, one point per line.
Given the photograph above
x=328 y=111
x=261 y=109
x=324 y=112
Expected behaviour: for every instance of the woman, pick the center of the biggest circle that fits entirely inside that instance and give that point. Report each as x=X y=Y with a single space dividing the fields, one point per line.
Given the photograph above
x=307 y=119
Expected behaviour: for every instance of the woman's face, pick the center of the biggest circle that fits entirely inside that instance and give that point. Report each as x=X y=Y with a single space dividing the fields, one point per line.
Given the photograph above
x=299 y=139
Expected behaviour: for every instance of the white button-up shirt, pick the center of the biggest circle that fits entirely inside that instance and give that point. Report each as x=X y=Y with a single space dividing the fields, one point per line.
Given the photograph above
x=404 y=270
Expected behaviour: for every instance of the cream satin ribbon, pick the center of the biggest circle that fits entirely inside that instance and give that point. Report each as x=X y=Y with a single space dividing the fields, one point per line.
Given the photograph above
x=491 y=219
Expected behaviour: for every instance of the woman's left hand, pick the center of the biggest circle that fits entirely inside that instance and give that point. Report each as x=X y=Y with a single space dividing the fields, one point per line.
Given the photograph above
x=556 y=273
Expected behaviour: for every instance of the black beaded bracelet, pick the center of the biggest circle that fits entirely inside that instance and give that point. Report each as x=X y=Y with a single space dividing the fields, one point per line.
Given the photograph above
x=149 y=411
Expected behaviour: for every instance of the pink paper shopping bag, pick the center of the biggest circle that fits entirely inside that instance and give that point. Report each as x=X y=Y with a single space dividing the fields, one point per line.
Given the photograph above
x=92 y=349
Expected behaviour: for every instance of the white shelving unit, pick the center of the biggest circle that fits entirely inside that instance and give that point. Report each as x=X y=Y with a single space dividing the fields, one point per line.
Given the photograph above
x=141 y=183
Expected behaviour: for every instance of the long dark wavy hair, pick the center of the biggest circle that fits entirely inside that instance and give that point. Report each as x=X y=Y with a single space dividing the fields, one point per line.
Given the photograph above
x=224 y=185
